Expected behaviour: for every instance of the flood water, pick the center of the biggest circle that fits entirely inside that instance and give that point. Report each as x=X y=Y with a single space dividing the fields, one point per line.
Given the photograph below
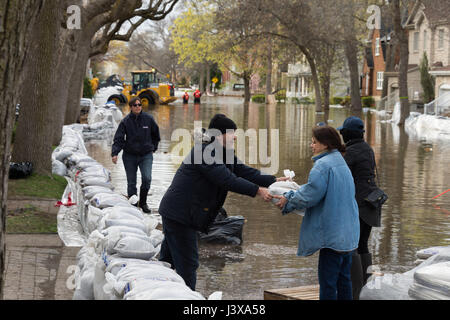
x=411 y=172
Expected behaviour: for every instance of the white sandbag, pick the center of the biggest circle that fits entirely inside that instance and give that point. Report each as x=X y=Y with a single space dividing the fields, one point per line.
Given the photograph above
x=420 y=292
x=144 y=289
x=103 y=200
x=151 y=222
x=85 y=289
x=61 y=153
x=217 y=295
x=100 y=286
x=130 y=210
x=106 y=231
x=90 y=191
x=132 y=247
x=124 y=222
x=428 y=252
x=94 y=216
x=123 y=215
x=117 y=263
x=280 y=187
x=59 y=168
x=76 y=158
x=156 y=237
x=436 y=277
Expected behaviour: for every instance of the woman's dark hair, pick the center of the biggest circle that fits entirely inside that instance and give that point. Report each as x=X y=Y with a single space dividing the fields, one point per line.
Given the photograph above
x=133 y=101
x=348 y=135
x=328 y=136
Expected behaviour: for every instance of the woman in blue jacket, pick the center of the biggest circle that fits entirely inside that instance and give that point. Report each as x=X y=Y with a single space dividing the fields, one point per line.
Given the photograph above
x=331 y=222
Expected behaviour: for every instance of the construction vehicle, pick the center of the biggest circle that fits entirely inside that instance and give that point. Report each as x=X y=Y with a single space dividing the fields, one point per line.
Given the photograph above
x=148 y=86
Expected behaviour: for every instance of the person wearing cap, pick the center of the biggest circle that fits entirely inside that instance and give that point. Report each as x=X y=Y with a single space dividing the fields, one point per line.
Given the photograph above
x=198 y=191
x=360 y=159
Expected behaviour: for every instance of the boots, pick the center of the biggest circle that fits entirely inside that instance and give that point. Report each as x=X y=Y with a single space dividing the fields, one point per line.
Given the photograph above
x=143 y=201
x=356 y=273
x=366 y=262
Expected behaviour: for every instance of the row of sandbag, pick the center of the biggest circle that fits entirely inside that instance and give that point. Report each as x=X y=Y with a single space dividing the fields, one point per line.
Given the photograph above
x=430 y=280
x=118 y=261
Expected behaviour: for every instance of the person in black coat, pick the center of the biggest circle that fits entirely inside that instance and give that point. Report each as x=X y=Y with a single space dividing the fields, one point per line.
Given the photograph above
x=138 y=137
x=199 y=190
x=361 y=160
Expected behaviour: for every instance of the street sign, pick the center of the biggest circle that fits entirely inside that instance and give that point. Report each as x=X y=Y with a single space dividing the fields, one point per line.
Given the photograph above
x=215 y=80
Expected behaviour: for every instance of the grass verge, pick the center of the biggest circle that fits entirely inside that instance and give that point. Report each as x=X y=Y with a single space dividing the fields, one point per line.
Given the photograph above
x=39 y=186
x=30 y=220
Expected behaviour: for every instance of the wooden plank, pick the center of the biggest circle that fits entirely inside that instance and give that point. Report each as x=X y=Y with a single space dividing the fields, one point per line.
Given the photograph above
x=296 y=293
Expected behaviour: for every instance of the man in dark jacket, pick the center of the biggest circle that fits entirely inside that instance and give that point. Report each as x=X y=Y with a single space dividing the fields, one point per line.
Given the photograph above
x=138 y=137
x=199 y=190
x=361 y=160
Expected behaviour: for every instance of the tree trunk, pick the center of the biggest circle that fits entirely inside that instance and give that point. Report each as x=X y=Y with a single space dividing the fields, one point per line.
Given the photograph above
x=316 y=83
x=351 y=53
x=208 y=78
x=75 y=89
x=402 y=38
x=325 y=82
x=35 y=122
x=247 y=94
x=269 y=72
x=17 y=21
x=201 y=85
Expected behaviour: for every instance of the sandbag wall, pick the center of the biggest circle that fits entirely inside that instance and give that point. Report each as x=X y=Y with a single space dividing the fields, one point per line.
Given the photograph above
x=118 y=259
x=430 y=280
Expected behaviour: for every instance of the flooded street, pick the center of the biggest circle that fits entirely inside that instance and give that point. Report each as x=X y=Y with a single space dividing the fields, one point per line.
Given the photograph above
x=411 y=172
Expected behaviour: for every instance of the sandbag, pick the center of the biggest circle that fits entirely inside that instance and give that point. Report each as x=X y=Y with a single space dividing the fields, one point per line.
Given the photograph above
x=59 y=168
x=137 y=248
x=103 y=200
x=91 y=191
x=280 y=187
x=148 y=289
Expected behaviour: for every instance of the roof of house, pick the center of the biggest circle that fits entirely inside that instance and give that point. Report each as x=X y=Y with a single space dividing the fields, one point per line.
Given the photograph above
x=436 y=11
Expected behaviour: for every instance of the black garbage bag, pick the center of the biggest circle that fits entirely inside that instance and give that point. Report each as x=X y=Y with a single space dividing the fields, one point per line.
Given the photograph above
x=224 y=230
x=20 y=170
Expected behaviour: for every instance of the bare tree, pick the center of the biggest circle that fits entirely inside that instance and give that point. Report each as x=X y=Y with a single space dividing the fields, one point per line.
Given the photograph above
x=16 y=23
x=101 y=21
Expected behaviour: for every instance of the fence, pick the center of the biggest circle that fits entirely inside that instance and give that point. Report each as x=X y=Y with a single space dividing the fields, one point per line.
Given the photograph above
x=439 y=106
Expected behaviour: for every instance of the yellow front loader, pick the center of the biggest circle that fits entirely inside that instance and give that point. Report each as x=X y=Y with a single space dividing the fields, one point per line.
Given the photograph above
x=147 y=87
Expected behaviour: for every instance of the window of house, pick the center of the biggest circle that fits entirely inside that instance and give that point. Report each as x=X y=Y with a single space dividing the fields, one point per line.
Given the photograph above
x=377 y=46
x=424 y=40
x=380 y=76
x=441 y=39
x=416 y=41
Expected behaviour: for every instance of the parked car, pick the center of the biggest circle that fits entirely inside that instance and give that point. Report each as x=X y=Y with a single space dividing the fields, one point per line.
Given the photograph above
x=238 y=87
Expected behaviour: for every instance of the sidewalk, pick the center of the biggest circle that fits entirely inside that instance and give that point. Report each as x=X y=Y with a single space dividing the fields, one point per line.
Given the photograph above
x=36 y=264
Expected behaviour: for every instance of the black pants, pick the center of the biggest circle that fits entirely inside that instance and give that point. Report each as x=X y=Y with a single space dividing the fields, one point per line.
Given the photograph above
x=364 y=234
x=180 y=249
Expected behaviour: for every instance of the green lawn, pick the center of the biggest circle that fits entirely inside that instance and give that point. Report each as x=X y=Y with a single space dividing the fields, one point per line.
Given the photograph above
x=30 y=220
x=39 y=186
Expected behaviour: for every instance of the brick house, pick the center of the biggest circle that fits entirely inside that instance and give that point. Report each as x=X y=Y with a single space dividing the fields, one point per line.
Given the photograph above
x=374 y=64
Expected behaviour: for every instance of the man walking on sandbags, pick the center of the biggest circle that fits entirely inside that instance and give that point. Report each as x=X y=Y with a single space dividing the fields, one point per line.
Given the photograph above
x=199 y=190
x=138 y=137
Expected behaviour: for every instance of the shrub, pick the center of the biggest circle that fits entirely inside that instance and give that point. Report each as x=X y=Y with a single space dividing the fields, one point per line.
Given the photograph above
x=295 y=100
x=281 y=95
x=368 y=102
x=346 y=101
x=259 y=98
x=337 y=100
x=87 y=89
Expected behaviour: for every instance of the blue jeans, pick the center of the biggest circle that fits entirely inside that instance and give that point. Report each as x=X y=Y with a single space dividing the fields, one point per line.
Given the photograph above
x=131 y=163
x=334 y=275
x=180 y=249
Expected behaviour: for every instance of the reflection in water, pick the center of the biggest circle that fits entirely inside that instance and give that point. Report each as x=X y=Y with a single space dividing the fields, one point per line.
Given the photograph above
x=411 y=172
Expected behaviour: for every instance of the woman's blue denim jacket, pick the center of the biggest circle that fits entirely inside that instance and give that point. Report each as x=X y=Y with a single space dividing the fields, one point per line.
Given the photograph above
x=331 y=217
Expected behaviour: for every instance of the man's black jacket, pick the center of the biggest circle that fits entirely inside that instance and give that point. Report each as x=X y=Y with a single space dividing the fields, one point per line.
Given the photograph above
x=198 y=191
